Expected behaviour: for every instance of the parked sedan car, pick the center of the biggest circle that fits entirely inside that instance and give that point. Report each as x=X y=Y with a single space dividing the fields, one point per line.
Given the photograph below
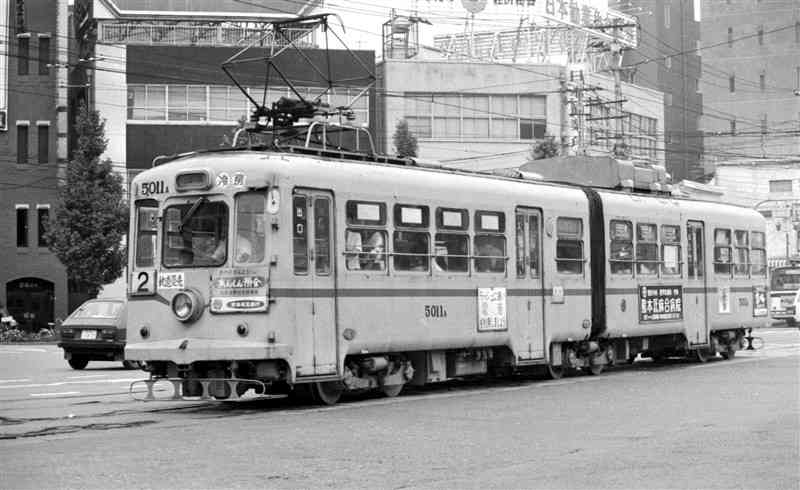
x=95 y=332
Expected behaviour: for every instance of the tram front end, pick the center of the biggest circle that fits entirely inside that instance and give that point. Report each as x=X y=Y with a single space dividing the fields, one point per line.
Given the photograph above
x=199 y=288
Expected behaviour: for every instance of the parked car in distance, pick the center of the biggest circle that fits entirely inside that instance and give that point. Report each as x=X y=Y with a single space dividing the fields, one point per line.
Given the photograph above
x=95 y=332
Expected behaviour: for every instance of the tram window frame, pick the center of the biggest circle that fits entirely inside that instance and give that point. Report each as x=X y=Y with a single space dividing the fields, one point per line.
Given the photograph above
x=528 y=255
x=741 y=253
x=322 y=235
x=490 y=236
x=442 y=215
x=566 y=239
x=251 y=250
x=175 y=231
x=647 y=258
x=723 y=240
x=365 y=239
x=671 y=242
x=150 y=206
x=410 y=237
x=617 y=247
x=759 y=267
x=352 y=213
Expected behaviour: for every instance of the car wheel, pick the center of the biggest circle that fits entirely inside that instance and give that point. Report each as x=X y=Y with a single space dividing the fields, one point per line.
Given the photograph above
x=78 y=363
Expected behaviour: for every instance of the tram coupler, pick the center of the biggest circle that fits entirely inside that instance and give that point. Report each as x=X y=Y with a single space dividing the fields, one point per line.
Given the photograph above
x=181 y=389
x=749 y=339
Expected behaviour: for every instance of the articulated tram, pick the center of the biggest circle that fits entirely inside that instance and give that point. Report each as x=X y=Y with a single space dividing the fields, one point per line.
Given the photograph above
x=319 y=272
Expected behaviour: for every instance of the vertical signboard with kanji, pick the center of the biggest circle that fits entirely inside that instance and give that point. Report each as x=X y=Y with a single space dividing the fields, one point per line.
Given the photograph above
x=660 y=303
x=491 y=309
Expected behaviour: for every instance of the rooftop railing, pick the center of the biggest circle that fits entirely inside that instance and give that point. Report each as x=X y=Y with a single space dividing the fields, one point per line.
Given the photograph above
x=198 y=35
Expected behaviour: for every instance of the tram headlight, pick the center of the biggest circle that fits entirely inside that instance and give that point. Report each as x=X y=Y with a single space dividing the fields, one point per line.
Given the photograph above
x=187 y=306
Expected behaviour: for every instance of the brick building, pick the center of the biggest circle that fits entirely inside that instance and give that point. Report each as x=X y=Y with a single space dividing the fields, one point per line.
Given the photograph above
x=33 y=149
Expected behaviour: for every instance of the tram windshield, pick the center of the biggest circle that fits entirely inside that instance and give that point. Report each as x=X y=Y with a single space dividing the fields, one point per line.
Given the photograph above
x=196 y=234
x=786 y=279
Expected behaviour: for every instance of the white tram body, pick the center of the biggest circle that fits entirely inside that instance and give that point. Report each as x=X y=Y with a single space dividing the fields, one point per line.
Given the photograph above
x=359 y=275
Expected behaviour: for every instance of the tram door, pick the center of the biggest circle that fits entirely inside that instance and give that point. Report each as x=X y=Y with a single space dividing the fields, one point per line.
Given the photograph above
x=529 y=267
x=695 y=295
x=315 y=312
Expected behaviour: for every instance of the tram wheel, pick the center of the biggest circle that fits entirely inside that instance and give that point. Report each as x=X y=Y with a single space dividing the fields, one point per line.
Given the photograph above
x=702 y=355
x=391 y=391
x=78 y=363
x=555 y=372
x=328 y=392
x=728 y=354
x=594 y=369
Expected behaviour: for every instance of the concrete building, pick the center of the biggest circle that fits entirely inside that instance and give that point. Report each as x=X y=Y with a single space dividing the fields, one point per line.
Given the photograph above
x=33 y=129
x=665 y=60
x=773 y=188
x=751 y=80
x=482 y=116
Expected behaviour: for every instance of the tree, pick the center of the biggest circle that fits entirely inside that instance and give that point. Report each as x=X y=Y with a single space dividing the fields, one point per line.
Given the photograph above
x=547 y=148
x=404 y=140
x=91 y=217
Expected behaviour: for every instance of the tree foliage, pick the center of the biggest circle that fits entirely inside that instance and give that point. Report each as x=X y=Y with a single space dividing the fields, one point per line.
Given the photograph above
x=91 y=216
x=404 y=140
x=547 y=148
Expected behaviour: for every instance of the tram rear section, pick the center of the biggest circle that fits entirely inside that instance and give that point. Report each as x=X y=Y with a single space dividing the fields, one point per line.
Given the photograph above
x=314 y=275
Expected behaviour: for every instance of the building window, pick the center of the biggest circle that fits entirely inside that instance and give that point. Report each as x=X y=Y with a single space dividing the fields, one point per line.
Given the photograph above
x=44 y=55
x=42 y=218
x=471 y=116
x=666 y=16
x=23 y=53
x=22 y=143
x=761 y=35
x=44 y=143
x=730 y=37
x=732 y=83
x=224 y=103
x=780 y=186
x=22 y=226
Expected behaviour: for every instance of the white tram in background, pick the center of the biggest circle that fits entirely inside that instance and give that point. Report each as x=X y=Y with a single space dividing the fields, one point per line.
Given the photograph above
x=317 y=271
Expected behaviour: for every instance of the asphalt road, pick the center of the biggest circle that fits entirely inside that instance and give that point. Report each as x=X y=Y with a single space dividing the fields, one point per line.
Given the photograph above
x=725 y=424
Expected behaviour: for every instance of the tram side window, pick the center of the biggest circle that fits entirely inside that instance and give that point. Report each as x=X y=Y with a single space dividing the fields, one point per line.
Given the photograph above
x=758 y=254
x=411 y=248
x=694 y=245
x=146 y=227
x=671 y=250
x=646 y=249
x=490 y=241
x=741 y=253
x=569 y=246
x=250 y=233
x=621 y=258
x=722 y=251
x=300 y=234
x=451 y=243
x=365 y=237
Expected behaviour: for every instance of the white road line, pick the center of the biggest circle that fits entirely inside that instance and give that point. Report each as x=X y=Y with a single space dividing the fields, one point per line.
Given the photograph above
x=14 y=380
x=87 y=376
x=57 y=394
x=62 y=383
x=17 y=350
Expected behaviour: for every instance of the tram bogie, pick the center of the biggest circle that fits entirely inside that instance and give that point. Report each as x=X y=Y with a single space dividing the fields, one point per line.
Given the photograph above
x=270 y=271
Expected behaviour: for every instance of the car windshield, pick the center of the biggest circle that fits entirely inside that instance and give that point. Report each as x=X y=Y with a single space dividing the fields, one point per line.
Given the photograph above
x=196 y=234
x=98 y=309
x=786 y=279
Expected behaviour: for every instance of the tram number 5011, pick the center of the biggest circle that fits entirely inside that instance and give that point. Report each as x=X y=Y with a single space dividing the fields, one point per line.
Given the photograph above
x=435 y=311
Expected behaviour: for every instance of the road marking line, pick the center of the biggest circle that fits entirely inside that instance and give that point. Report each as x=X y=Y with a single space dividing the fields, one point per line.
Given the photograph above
x=87 y=376
x=62 y=383
x=57 y=394
x=13 y=380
